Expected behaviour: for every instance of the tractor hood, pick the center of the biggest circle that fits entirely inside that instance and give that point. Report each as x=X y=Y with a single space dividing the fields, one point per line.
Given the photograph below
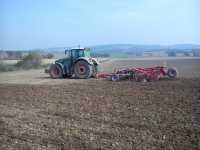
x=91 y=61
x=62 y=60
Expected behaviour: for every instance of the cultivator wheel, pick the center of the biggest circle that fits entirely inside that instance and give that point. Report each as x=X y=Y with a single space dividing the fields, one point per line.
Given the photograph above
x=172 y=73
x=82 y=70
x=115 y=77
x=55 y=71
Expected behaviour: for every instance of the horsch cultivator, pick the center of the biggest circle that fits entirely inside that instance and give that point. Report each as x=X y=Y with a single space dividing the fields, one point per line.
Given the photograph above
x=140 y=74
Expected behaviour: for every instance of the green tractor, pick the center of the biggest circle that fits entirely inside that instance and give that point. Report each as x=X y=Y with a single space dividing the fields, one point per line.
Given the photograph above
x=78 y=64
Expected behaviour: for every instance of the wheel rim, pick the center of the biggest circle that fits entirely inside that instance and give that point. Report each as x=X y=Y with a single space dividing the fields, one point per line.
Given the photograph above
x=82 y=69
x=172 y=73
x=56 y=71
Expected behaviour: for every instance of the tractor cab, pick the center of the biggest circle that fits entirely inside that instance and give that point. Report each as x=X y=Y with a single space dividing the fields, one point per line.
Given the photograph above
x=77 y=53
x=78 y=63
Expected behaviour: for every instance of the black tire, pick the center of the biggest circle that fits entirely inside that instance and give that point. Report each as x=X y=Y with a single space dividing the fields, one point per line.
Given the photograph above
x=172 y=73
x=82 y=70
x=67 y=76
x=115 y=78
x=55 y=71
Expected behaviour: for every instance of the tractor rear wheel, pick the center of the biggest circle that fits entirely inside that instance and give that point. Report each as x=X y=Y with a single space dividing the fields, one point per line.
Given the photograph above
x=55 y=71
x=82 y=70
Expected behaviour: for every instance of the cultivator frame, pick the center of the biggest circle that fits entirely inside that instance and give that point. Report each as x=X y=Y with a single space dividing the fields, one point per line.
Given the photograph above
x=140 y=74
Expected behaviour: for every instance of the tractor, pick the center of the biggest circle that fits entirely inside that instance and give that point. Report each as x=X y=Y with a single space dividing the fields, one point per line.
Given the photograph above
x=78 y=64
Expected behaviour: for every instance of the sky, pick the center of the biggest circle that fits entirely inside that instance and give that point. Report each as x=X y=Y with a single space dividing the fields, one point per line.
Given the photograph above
x=30 y=24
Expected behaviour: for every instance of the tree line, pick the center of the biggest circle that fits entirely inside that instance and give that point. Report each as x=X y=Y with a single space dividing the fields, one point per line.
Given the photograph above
x=12 y=55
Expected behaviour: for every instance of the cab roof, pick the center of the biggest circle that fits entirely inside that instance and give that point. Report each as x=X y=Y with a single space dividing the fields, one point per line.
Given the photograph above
x=80 y=49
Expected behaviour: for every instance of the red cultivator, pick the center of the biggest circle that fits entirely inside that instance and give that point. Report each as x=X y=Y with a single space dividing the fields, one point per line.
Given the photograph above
x=140 y=74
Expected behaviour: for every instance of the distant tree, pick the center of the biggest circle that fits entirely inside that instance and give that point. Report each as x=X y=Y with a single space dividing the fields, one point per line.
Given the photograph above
x=172 y=53
x=130 y=53
x=32 y=60
x=196 y=53
x=3 y=55
x=100 y=55
x=48 y=56
x=138 y=54
x=186 y=54
x=14 y=54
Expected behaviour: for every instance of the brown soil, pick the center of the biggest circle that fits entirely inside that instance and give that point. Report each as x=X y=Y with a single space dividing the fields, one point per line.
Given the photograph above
x=98 y=114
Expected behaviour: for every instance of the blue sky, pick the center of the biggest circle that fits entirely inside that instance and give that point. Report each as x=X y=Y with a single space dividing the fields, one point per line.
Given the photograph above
x=27 y=24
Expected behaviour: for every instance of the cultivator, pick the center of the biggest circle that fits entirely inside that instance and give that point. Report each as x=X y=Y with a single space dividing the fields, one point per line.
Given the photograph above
x=140 y=74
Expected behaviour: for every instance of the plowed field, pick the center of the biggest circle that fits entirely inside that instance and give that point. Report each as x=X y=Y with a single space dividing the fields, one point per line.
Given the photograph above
x=37 y=112
x=101 y=115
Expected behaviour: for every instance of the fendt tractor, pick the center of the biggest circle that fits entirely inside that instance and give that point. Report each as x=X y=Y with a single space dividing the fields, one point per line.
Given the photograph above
x=78 y=64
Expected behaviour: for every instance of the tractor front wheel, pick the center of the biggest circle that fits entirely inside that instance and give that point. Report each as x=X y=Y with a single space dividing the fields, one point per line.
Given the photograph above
x=82 y=70
x=55 y=71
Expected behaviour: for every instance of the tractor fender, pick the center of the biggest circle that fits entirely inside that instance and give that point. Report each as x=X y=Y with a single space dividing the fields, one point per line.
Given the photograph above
x=88 y=60
x=61 y=66
x=95 y=61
